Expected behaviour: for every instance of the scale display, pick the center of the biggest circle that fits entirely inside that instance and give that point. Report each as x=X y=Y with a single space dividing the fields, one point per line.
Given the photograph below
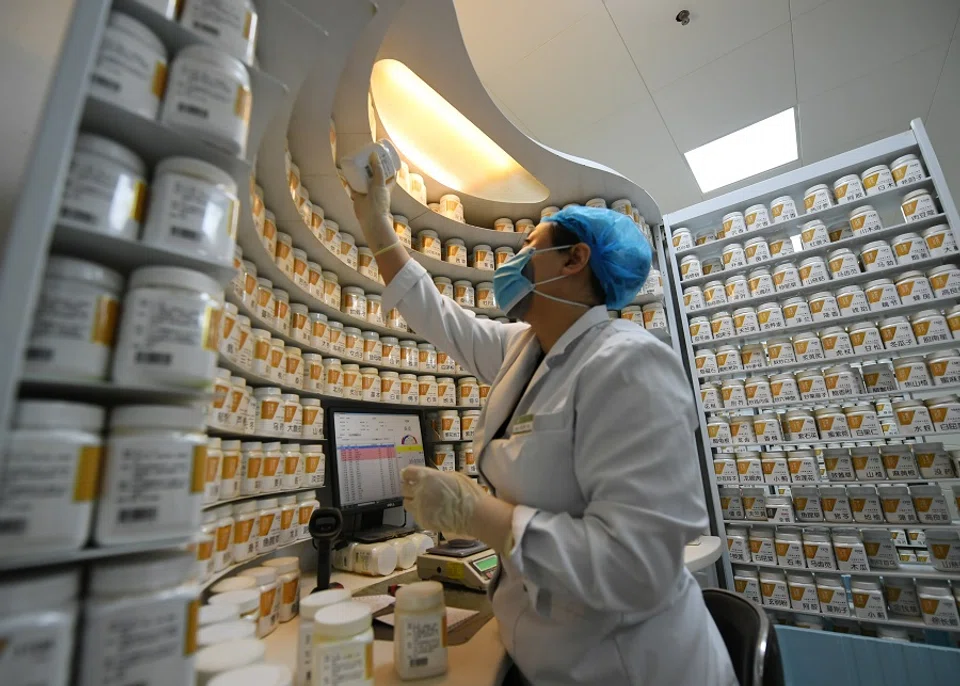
x=371 y=449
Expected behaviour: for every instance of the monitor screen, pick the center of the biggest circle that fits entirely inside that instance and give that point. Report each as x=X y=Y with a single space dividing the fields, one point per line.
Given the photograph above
x=370 y=450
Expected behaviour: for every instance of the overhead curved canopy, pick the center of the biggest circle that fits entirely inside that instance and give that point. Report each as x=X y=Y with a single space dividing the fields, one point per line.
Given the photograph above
x=438 y=139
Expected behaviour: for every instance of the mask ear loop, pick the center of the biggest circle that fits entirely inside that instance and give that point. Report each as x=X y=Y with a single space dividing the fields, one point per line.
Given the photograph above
x=555 y=278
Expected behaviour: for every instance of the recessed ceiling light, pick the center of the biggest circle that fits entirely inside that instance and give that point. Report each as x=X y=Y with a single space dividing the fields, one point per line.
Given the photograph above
x=751 y=150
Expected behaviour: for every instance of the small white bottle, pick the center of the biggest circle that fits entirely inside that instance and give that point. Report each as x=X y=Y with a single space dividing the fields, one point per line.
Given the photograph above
x=288 y=570
x=309 y=607
x=266 y=578
x=342 y=640
x=356 y=168
x=420 y=631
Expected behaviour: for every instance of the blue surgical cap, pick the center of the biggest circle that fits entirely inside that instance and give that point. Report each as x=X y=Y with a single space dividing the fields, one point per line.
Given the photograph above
x=619 y=252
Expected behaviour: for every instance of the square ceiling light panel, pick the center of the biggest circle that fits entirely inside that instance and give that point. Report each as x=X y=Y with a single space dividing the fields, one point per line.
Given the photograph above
x=751 y=150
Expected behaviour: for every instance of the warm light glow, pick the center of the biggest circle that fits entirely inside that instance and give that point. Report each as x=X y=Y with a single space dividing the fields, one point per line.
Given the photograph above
x=751 y=150
x=435 y=137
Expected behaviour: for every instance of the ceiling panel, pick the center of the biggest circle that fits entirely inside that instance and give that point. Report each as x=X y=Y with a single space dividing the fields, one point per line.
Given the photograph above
x=749 y=84
x=844 y=39
x=499 y=33
x=664 y=50
x=635 y=143
x=576 y=78
x=798 y=7
x=870 y=107
x=944 y=117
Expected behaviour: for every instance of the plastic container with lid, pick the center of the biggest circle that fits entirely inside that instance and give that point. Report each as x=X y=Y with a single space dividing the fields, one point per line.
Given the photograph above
x=741 y=431
x=939 y=240
x=848 y=189
x=909 y=247
x=734 y=394
x=938 y=605
x=818 y=548
x=714 y=293
x=725 y=468
x=930 y=326
x=734 y=224
x=710 y=396
x=817 y=198
x=863 y=421
x=813 y=234
x=131 y=66
x=786 y=276
x=331 y=289
x=721 y=325
x=945 y=413
x=139 y=596
x=823 y=306
x=343 y=645
x=897 y=333
x=907 y=170
x=756 y=250
x=682 y=239
x=868 y=601
x=783 y=209
x=744 y=321
x=877 y=179
x=843 y=263
x=836 y=343
x=913 y=417
x=420 y=640
x=901 y=596
x=808 y=347
x=718 y=431
x=835 y=504
x=756 y=217
x=918 y=205
x=945 y=280
x=760 y=282
x=850 y=551
x=833 y=595
x=930 y=504
x=134 y=506
x=780 y=351
x=802 y=464
x=911 y=373
x=882 y=294
x=780 y=246
x=690 y=267
x=813 y=270
x=803 y=592
x=832 y=423
x=944 y=547
x=746 y=582
x=733 y=256
x=933 y=461
x=737 y=545
x=736 y=288
x=754 y=500
x=309 y=607
x=877 y=255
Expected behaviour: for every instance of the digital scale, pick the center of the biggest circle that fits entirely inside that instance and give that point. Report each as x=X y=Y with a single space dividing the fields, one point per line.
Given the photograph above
x=460 y=561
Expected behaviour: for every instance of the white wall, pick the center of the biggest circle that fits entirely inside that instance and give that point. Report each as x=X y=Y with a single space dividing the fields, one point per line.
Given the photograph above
x=30 y=35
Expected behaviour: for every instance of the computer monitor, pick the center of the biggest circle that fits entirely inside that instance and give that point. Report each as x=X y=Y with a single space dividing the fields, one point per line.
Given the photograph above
x=369 y=450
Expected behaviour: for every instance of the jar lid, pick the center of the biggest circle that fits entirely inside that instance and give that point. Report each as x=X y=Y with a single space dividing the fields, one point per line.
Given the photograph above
x=176 y=277
x=871 y=170
x=908 y=236
x=730 y=215
x=422 y=595
x=944 y=228
x=733 y=246
x=262 y=575
x=342 y=620
x=156 y=417
x=812 y=260
x=34 y=591
x=905 y=158
x=189 y=166
x=225 y=631
x=213 y=57
x=140 y=573
x=104 y=147
x=941 y=269
x=329 y=276
x=235 y=583
x=222 y=657
x=347 y=238
x=60 y=267
x=314 y=602
x=246 y=599
x=915 y=194
x=214 y=614
x=58 y=414
x=845 y=179
x=254 y=675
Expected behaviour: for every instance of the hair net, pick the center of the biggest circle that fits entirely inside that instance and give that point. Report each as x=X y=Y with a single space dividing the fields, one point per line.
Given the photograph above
x=620 y=254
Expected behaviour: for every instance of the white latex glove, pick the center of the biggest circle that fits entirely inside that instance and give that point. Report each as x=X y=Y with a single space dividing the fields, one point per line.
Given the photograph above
x=373 y=210
x=457 y=506
x=443 y=501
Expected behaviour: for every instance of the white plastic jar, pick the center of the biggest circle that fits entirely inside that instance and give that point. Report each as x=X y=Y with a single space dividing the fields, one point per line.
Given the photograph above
x=944 y=547
x=877 y=255
x=193 y=209
x=780 y=246
x=725 y=470
x=700 y=330
x=939 y=240
x=343 y=644
x=756 y=217
x=690 y=267
x=134 y=506
x=801 y=426
x=786 y=277
x=105 y=188
x=848 y=189
x=682 y=239
x=143 y=597
x=756 y=250
x=53 y=459
x=835 y=504
x=718 y=431
x=761 y=541
x=865 y=338
x=930 y=504
x=769 y=316
x=131 y=66
x=813 y=270
x=812 y=385
x=813 y=234
x=760 y=282
x=882 y=294
x=749 y=468
x=208 y=95
x=721 y=325
x=231 y=26
x=843 y=263
x=693 y=298
x=789 y=548
x=372 y=347
x=409 y=389
x=331 y=289
x=348 y=250
x=833 y=595
x=758 y=391
x=352 y=382
x=156 y=347
x=817 y=198
x=352 y=343
x=734 y=224
x=783 y=209
x=877 y=179
x=766 y=427
x=863 y=421
x=823 y=306
x=933 y=461
x=938 y=604
x=244 y=539
x=913 y=417
x=911 y=373
x=741 y=430
x=808 y=347
x=803 y=592
x=897 y=333
x=832 y=423
x=945 y=280
x=714 y=293
x=817 y=546
x=945 y=413
x=736 y=288
x=907 y=170
x=737 y=546
x=745 y=321
x=710 y=396
x=420 y=643
x=836 y=342
x=428 y=243
x=802 y=464
x=917 y=206
x=753 y=356
x=733 y=256
x=734 y=394
x=731 y=503
x=75 y=320
x=909 y=247
x=864 y=500
x=944 y=367
x=780 y=351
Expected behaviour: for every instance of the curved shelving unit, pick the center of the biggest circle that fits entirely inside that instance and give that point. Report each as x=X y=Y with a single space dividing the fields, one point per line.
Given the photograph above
x=252 y=562
x=454 y=272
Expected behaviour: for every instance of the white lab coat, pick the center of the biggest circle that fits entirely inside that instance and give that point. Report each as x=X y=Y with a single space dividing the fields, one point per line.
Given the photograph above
x=607 y=488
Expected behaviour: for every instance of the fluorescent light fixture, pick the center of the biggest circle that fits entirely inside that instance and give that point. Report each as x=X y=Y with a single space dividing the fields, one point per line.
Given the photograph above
x=751 y=150
x=440 y=141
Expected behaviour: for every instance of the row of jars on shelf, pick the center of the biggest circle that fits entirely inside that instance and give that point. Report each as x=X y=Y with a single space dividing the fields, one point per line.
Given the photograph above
x=905 y=248
x=839 y=504
x=878 y=179
x=836 y=383
x=911 y=417
x=787 y=276
x=838 y=463
x=910 y=288
x=866 y=599
x=448 y=457
x=837 y=342
x=845 y=550
x=277 y=467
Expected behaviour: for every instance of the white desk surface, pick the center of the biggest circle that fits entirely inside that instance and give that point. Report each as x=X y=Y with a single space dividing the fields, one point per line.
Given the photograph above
x=481 y=661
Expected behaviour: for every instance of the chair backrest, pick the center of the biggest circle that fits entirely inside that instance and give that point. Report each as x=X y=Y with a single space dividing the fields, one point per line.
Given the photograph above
x=749 y=637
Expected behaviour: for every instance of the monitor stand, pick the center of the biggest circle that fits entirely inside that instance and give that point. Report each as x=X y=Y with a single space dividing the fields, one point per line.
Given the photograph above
x=373 y=530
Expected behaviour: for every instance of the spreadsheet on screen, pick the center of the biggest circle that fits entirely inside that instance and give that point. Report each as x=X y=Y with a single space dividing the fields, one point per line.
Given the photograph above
x=371 y=451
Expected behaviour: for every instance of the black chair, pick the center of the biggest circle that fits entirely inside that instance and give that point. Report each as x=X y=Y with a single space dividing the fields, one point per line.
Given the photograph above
x=749 y=637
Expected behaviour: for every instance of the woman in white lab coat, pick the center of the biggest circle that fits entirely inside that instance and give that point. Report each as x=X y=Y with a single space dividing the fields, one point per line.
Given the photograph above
x=587 y=444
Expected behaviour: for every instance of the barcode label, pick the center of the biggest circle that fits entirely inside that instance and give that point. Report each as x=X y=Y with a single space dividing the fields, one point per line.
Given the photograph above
x=138 y=514
x=212 y=30
x=9 y=527
x=193 y=109
x=418 y=662
x=183 y=232
x=106 y=83
x=80 y=215
x=39 y=354
x=154 y=358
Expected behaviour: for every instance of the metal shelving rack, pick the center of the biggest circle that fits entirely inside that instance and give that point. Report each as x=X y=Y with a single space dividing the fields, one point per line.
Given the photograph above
x=709 y=214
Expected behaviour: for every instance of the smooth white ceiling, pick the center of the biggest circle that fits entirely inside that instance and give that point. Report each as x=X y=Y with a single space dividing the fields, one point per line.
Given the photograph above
x=622 y=83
